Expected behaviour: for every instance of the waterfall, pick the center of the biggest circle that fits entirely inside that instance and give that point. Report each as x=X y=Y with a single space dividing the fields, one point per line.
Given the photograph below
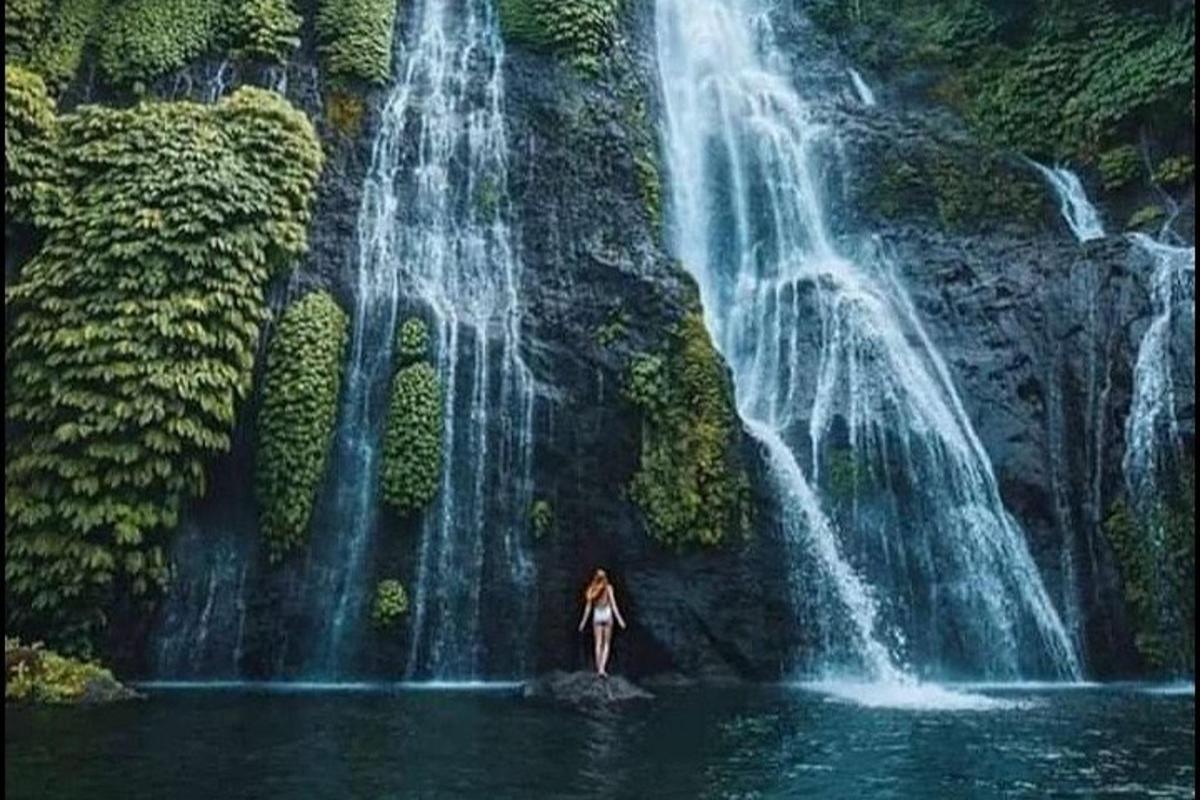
x=865 y=95
x=1152 y=424
x=835 y=377
x=1081 y=216
x=435 y=219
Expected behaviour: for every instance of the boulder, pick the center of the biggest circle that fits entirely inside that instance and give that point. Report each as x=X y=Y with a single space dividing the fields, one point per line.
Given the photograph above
x=583 y=690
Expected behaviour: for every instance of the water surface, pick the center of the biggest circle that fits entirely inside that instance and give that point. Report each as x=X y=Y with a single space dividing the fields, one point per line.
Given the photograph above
x=774 y=742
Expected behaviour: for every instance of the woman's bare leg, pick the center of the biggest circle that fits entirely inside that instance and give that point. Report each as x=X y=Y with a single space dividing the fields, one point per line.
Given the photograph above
x=606 y=648
x=598 y=647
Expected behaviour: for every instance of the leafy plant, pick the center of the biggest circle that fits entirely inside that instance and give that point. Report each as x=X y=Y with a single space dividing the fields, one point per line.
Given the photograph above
x=296 y=421
x=582 y=31
x=1175 y=171
x=689 y=485
x=36 y=675
x=268 y=30
x=541 y=515
x=1145 y=217
x=133 y=333
x=391 y=603
x=1119 y=165
x=32 y=180
x=412 y=341
x=412 y=445
x=48 y=36
x=144 y=39
x=355 y=38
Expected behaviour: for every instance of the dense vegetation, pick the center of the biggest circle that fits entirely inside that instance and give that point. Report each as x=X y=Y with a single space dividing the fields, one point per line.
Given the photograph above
x=33 y=674
x=391 y=603
x=1155 y=549
x=690 y=485
x=49 y=36
x=132 y=337
x=1108 y=85
x=580 y=31
x=412 y=445
x=356 y=38
x=296 y=421
x=32 y=190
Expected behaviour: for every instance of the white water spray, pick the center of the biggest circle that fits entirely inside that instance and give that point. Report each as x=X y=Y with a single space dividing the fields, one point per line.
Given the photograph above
x=865 y=95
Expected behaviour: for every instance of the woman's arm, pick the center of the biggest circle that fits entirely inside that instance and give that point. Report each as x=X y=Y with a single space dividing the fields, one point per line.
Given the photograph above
x=587 y=609
x=612 y=598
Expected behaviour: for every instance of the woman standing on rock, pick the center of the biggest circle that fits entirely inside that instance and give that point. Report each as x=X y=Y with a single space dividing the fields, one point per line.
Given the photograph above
x=601 y=603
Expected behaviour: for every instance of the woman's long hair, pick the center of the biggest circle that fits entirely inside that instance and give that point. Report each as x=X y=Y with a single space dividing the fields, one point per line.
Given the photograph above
x=596 y=587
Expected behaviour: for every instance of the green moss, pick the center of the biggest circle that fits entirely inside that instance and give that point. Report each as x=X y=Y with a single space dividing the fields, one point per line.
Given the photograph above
x=1145 y=217
x=297 y=418
x=133 y=334
x=412 y=446
x=1175 y=171
x=1119 y=166
x=355 y=38
x=650 y=184
x=581 y=31
x=613 y=329
x=844 y=473
x=32 y=179
x=1155 y=552
x=345 y=110
x=412 y=341
x=690 y=486
x=541 y=518
x=391 y=603
x=268 y=30
x=145 y=39
x=33 y=674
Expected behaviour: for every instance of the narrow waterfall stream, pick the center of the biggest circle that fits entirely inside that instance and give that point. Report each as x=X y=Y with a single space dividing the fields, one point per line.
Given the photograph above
x=922 y=570
x=441 y=224
x=1077 y=210
x=1152 y=427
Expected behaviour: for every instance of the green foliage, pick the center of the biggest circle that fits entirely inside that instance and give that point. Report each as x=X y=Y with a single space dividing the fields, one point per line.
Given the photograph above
x=582 y=31
x=541 y=517
x=133 y=333
x=296 y=421
x=689 y=485
x=412 y=341
x=844 y=473
x=1175 y=171
x=345 y=111
x=268 y=30
x=1155 y=552
x=391 y=603
x=32 y=182
x=964 y=190
x=613 y=329
x=412 y=445
x=48 y=36
x=1145 y=217
x=33 y=674
x=355 y=38
x=650 y=184
x=1063 y=80
x=1119 y=165
x=145 y=39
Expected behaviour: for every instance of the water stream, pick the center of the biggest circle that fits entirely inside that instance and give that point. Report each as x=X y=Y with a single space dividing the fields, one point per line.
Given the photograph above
x=883 y=482
x=1077 y=210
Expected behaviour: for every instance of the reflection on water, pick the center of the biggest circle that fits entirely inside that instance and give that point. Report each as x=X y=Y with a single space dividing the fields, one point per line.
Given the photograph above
x=764 y=743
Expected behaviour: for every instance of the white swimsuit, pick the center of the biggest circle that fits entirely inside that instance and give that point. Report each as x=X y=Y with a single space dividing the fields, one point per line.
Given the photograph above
x=602 y=615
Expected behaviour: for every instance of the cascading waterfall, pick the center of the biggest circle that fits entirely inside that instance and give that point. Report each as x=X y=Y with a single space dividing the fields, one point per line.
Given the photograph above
x=835 y=376
x=1077 y=210
x=434 y=230
x=1152 y=425
x=865 y=95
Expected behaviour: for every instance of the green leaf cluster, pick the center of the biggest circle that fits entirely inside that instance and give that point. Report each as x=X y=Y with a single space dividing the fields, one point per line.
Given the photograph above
x=48 y=36
x=1175 y=171
x=144 y=39
x=391 y=603
x=690 y=486
x=267 y=30
x=297 y=417
x=541 y=518
x=33 y=674
x=355 y=38
x=412 y=445
x=32 y=188
x=1119 y=166
x=582 y=31
x=1155 y=550
x=133 y=334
